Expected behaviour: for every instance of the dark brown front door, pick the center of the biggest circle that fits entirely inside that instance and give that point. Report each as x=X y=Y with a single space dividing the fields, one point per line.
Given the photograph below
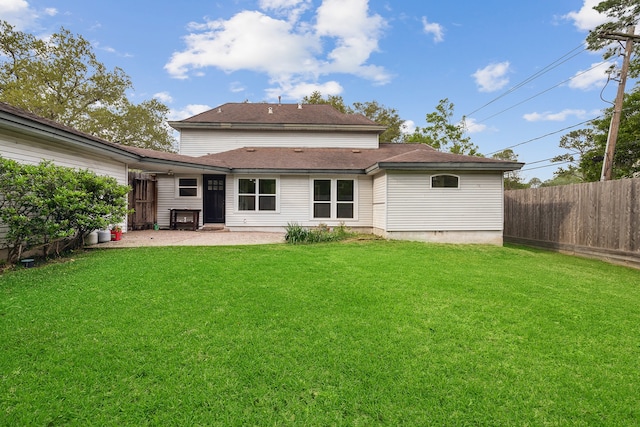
x=214 y=192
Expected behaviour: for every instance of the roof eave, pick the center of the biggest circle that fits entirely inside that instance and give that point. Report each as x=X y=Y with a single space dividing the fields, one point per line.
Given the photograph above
x=460 y=166
x=172 y=164
x=178 y=125
x=27 y=126
x=284 y=171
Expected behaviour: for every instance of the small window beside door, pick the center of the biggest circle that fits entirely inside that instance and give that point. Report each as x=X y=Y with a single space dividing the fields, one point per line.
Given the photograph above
x=187 y=187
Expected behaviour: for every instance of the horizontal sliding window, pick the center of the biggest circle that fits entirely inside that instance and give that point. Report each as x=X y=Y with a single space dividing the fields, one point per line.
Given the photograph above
x=188 y=187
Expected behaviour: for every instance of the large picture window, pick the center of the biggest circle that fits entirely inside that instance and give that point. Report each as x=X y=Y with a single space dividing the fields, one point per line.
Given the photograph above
x=334 y=198
x=257 y=194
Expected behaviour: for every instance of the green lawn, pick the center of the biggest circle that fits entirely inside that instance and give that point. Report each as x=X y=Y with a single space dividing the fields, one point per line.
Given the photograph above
x=360 y=333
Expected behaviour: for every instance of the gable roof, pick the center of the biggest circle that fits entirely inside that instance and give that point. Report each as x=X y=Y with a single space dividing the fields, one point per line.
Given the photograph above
x=310 y=117
x=348 y=160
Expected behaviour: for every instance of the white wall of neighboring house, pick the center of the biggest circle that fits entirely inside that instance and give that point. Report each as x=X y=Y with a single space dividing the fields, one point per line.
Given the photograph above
x=199 y=142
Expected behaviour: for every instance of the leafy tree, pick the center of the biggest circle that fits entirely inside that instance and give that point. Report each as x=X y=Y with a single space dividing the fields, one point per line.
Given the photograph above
x=579 y=144
x=442 y=134
x=587 y=146
x=534 y=182
x=512 y=179
x=623 y=13
x=61 y=79
x=335 y=101
x=380 y=114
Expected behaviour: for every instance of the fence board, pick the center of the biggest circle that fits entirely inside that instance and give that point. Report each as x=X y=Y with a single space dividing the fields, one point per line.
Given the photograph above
x=143 y=200
x=597 y=218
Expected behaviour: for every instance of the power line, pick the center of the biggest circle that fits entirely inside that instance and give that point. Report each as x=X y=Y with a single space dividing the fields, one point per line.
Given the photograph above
x=540 y=93
x=544 y=136
x=534 y=76
x=550 y=158
x=545 y=166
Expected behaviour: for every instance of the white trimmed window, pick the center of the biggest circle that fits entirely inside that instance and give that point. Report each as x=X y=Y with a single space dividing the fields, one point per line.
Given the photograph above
x=188 y=187
x=445 y=181
x=257 y=194
x=334 y=198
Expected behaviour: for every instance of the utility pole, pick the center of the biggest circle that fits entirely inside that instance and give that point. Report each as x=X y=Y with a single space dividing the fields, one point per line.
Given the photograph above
x=607 y=164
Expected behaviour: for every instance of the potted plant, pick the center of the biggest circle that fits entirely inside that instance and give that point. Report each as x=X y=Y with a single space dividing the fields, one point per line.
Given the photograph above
x=116 y=232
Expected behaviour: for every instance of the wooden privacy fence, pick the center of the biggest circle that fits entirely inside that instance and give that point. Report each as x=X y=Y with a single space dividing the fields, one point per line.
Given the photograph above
x=143 y=200
x=598 y=219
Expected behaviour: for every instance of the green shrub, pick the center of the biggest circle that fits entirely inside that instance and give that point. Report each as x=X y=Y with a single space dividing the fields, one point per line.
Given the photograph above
x=322 y=233
x=45 y=206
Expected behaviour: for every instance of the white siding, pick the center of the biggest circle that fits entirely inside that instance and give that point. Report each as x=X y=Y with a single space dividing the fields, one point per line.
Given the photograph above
x=380 y=201
x=413 y=206
x=295 y=205
x=196 y=142
x=33 y=152
x=168 y=199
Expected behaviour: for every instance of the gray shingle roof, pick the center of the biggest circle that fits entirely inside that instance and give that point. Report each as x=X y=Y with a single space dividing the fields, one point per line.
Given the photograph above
x=315 y=116
x=397 y=156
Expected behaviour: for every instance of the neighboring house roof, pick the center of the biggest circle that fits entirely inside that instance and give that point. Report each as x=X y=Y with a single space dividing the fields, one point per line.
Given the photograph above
x=348 y=160
x=310 y=117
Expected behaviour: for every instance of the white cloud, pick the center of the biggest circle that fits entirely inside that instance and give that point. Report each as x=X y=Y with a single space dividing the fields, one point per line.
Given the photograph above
x=433 y=28
x=288 y=51
x=188 y=111
x=111 y=50
x=237 y=87
x=21 y=14
x=472 y=127
x=163 y=97
x=248 y=41
x=297 y=91
x=408 y=127
x=555 y=117
x=17 y=13
x=292 y=9
x=587 y=18
x=593 y=78
x=492 y=77
x=355 y=34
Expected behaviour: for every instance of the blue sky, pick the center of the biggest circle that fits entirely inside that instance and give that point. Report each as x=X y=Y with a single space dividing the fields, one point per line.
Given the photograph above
x=408 y=55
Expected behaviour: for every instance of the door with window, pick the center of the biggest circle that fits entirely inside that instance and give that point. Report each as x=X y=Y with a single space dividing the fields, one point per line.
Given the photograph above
x=214 y=196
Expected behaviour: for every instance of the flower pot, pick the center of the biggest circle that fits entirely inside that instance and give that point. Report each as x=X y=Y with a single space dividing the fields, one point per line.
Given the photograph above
x=116 y=235
x=92 y=238
x=104 y=236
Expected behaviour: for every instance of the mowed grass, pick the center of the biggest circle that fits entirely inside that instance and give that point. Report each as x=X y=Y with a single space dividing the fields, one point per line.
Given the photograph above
x=360 y=333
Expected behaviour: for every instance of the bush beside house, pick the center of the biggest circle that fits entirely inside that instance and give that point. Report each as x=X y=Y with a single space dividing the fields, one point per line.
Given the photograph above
x=51 y=208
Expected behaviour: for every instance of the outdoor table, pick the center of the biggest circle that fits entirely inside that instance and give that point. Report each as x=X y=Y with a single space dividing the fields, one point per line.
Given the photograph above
x=184 y=219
